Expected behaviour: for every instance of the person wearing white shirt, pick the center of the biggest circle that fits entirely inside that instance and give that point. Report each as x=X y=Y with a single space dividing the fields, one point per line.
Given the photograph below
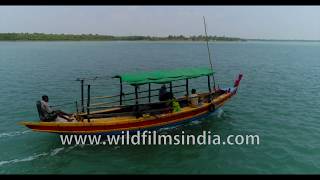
x=52 y=115
x=194 y=99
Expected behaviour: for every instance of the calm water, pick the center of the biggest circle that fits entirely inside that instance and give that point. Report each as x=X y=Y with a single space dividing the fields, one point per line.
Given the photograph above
x=278 y=100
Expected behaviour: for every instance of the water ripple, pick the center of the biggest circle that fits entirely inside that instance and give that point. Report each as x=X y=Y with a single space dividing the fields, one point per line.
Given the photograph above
x=53 y=152
x=13 y=134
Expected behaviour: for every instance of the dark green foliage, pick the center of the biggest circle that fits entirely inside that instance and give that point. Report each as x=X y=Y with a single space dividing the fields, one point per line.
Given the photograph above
x=97 y=37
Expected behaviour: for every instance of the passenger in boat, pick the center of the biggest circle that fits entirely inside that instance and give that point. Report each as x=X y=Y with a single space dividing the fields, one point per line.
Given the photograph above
x=194 y=99
x=164 y=95
x=162 y=92
x=52 y=115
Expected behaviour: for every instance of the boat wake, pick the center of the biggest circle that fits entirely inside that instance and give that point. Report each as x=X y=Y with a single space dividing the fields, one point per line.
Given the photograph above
x=15 y=133
x=56 y=151
x=30 y=158
x=165 y=129
x=196 y=122
x=53 y=152
x=220 y=112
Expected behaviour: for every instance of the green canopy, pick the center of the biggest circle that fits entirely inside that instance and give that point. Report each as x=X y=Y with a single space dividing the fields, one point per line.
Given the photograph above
x=164 y=76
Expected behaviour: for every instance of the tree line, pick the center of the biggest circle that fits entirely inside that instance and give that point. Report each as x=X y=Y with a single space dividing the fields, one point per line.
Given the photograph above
x=97 y=37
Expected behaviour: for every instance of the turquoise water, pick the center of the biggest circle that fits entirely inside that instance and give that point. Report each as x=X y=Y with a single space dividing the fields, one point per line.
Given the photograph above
x=278 y=100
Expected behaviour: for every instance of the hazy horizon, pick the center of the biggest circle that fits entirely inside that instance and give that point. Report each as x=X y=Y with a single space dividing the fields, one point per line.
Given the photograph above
x=247 y=22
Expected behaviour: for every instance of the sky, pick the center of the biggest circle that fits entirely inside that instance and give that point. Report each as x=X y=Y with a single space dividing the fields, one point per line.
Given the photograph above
x=254 y=22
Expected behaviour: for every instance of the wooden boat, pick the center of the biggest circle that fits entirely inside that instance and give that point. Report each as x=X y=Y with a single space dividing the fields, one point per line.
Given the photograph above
x=98 y=119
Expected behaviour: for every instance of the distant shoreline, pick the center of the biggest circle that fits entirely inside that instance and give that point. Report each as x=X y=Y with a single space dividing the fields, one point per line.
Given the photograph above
x=281 y=40
x=97 y=37
x=22 y=37
x=165 y=41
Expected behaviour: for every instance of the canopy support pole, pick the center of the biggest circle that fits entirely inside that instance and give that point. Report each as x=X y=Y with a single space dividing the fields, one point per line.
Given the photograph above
x=121 y=91
x=136 y=93
x=76 y=103
x=187 y=87
x=137 y=103
x=82 y=98
x=214 y=83
x=171 y=87
x=209 y=87
x=88 y=103
x=149 y=92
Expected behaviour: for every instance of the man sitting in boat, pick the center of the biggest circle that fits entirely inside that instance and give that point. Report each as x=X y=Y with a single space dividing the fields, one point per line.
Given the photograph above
x=194 y=99
x=164 y=95
x=48 y=114
x=171 y=101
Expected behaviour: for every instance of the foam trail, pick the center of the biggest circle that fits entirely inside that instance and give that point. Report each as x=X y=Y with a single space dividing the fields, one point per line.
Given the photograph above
x=220 y=113
x=33 y=157
x=164 y=129
x=16 y=133
x=56 y=151
x=30 y=158
x=195 y=122
x=72 y=147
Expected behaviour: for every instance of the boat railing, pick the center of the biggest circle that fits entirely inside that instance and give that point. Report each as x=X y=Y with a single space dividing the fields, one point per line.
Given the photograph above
x=106 y=102
x=132 y=105
x=159 y=110
x=126 y=100
x=82 y=107
x=149 y=112
x=108 y=105
x=123 y=94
